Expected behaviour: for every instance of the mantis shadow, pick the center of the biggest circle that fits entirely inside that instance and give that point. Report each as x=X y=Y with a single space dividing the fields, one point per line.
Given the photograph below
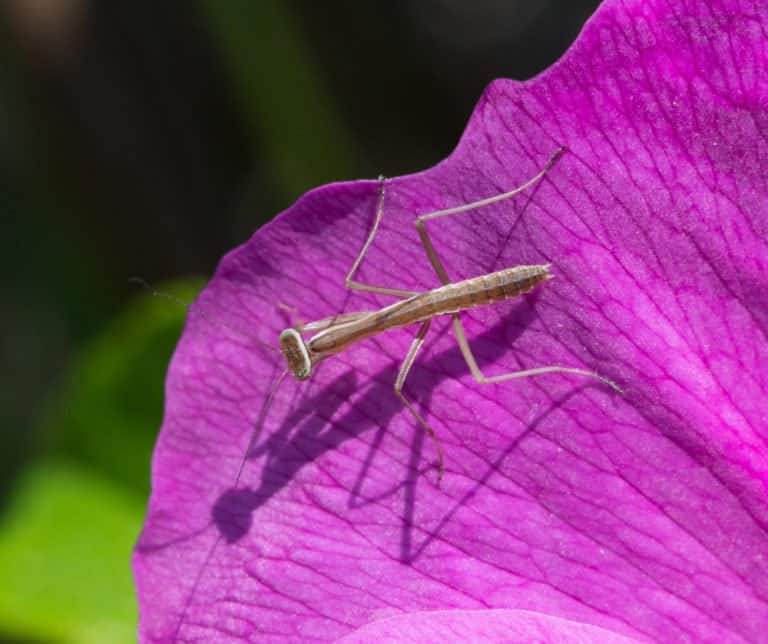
x=453 y=364
x=307 y=432
x=410 y=553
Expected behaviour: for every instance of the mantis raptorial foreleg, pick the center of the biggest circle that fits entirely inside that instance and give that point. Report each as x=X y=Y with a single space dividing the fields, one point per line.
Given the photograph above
x=297 y=323
x=325 y=323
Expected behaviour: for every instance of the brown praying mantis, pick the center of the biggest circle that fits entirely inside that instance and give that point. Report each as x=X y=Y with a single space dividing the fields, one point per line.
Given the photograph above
x=332 y=335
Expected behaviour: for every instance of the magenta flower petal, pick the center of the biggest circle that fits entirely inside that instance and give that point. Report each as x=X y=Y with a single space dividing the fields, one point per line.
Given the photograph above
x=487 y=625
x=639 y=516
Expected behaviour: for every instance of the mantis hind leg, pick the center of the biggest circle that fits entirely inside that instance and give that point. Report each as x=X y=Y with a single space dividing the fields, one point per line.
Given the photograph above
x=469 y=358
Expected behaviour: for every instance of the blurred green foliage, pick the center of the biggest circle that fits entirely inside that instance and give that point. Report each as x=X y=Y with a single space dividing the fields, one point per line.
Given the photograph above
x=105 y=416
x=68 y=530
x=290 y=112
x=64 y=544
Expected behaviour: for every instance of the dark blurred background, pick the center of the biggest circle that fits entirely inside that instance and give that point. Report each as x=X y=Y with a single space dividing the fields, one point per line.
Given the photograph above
x=148 y=138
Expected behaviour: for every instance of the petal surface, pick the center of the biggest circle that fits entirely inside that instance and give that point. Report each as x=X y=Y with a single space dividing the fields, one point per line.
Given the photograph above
x=479 y=626
x=641 y=514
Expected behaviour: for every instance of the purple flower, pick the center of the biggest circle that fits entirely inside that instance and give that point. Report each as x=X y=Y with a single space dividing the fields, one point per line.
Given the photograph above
x=567 y=512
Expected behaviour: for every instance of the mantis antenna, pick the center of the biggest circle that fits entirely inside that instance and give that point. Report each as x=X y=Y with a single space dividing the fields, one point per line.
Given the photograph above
x=190 y=305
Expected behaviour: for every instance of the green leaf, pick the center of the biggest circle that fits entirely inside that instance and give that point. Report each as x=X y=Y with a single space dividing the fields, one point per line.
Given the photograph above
x=65 y=546
x=108 y=413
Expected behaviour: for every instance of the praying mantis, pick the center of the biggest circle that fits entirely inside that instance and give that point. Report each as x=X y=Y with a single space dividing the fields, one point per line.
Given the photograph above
x=304 y=346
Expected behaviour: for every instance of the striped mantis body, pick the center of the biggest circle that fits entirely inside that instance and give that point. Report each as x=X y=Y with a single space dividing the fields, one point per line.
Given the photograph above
x=304 y=346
